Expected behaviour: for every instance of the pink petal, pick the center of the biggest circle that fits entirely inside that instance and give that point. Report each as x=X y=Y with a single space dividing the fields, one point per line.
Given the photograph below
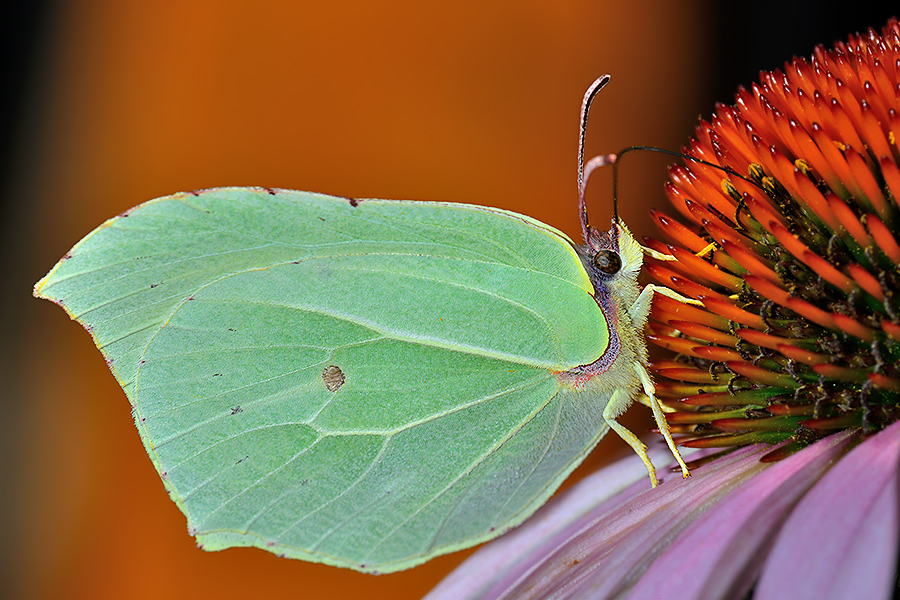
x=841 y=539
x=721 y=554
x=603 y=552
x=609 y=552
x=607 y=487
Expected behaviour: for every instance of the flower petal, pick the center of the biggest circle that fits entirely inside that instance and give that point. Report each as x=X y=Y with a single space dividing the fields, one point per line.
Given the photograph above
x=604 y=551
x=841 y=539
x=503 y=557
x=609 y=555
x=721 y=554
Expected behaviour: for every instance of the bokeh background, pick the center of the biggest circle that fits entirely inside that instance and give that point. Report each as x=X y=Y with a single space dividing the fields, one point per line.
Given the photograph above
x=109 y=103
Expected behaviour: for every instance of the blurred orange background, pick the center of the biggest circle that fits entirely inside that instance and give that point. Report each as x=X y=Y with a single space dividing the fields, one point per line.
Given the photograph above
x=472 y=101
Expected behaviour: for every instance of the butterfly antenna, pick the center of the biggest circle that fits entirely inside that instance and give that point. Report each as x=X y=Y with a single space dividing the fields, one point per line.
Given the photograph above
x=584 y=171
x=613 y=159
x=595 y=87
x=728 y=170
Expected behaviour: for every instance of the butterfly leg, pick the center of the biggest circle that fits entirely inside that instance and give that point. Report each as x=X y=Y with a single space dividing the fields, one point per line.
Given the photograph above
x=641 y=307
x=659 y=416
x=617 y=404
x=639 y=312
x=668 y=257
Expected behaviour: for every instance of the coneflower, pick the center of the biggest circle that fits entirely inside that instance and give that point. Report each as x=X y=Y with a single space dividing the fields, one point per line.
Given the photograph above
x=791 y=368
x=796 y=264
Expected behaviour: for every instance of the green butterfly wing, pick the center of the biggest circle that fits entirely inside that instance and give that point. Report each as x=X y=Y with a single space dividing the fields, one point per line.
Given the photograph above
x=361 y=383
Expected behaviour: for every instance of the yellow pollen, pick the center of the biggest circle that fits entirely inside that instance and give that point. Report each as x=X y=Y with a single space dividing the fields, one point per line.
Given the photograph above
x=707 y=250
x=891 y=139
x=841 y=146
x=802 y=165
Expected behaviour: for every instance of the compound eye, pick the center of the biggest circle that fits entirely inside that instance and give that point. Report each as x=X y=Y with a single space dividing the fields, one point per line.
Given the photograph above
x=608 y=262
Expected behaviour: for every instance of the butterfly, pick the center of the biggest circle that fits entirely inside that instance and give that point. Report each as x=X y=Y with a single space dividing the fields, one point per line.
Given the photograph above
x=363 y=383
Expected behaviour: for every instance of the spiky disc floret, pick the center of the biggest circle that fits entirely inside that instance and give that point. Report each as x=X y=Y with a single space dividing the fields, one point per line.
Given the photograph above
x=797 y=264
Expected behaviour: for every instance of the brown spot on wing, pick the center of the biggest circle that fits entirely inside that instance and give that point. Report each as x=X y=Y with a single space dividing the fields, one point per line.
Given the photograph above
x=333 y=377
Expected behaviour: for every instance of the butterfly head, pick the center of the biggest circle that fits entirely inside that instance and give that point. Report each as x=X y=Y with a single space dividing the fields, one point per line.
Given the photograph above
x=611 y=258
x=609 y=255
